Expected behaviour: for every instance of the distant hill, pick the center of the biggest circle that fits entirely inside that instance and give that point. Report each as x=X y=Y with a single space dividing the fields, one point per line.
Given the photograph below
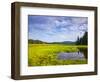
x=64 y=42
x=69 y=42
x=31 y=41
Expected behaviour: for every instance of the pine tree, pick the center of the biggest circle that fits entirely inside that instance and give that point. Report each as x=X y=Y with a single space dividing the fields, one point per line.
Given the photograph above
x=83 y=40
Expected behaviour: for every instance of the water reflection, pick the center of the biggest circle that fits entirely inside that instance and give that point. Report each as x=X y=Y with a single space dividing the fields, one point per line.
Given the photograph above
x=84 y=51
x=71 y=56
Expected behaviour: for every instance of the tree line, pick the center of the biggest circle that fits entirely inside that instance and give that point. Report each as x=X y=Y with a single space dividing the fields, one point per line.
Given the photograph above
x=83 y=40
x=80 y=41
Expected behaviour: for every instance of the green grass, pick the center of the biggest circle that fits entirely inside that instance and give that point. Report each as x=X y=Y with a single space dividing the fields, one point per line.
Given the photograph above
x=46 y=54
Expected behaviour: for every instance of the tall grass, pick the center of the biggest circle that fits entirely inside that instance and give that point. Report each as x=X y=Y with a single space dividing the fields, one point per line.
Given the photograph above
x=46 y=54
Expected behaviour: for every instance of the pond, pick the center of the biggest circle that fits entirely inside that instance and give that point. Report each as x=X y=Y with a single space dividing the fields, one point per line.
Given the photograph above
x=82 y=54
x=71 y=56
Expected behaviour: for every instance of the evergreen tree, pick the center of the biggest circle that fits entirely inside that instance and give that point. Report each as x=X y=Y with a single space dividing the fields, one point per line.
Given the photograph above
x=83 y=40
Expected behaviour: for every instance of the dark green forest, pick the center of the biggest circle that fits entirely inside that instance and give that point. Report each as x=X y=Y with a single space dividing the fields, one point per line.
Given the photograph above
x=83 y=40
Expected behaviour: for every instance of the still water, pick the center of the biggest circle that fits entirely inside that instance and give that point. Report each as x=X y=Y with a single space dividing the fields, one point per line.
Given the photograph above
x=71 y=56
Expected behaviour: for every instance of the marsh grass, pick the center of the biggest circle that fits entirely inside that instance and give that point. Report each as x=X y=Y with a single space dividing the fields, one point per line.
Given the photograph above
x=46 y=54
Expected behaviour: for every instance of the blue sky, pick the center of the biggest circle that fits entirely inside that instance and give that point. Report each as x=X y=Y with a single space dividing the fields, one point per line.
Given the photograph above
x=56 y=28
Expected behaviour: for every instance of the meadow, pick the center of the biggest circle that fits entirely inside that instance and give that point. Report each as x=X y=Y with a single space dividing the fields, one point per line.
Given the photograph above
x=46 y=54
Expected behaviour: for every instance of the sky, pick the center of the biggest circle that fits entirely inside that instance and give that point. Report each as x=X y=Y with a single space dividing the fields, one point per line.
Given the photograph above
x=56 y=28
